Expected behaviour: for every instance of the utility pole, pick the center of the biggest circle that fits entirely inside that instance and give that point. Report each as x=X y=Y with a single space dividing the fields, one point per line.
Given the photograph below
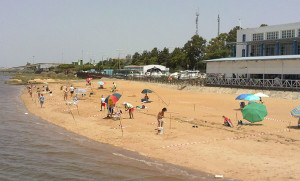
x=218 y=25
x=119 y=50
x=32 y=59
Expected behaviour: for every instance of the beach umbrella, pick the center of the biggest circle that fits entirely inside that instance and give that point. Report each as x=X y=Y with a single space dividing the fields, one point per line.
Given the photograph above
x=146 y=91
x=252 y=98
x=112 y=99
x=261 y=94
x=242 y=96
x=254 y=112
x=89 y=79
x=101 y=83
x=296 y=112
x=80 y=91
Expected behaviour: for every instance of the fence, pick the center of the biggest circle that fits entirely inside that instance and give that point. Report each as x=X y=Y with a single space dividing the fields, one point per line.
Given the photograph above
x=277 y=84
x=269 y=84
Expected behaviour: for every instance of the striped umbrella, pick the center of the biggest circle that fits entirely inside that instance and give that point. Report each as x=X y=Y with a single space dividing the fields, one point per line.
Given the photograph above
x=112 y=99
x=296 y=112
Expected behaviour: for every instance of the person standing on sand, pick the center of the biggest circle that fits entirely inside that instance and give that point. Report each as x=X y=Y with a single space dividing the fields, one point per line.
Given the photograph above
x=65 y=94
x=102 y=102
x=42 y=99
x=38 y=92
x=160 y=115
x=71 y=90
x=30 y=91
x=129 y=107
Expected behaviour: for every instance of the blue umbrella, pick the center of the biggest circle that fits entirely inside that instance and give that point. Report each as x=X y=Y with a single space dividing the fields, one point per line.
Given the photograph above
x=252 y=98
x=242 y=96
x=101 y=83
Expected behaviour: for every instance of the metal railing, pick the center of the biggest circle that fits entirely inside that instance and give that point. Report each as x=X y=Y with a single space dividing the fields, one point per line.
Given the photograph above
x=269 y=84
x=284 y=84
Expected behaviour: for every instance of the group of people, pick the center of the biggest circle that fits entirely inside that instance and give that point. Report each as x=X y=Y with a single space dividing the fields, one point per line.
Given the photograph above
x=66 y=91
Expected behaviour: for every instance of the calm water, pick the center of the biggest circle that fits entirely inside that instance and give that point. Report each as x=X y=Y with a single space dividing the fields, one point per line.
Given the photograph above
x=33 y=149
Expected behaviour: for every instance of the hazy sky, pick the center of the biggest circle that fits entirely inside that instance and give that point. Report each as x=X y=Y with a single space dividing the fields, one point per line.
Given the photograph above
x=64 y=30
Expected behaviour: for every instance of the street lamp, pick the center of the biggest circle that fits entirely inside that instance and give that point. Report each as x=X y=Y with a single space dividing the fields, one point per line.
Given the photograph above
x=119 y=50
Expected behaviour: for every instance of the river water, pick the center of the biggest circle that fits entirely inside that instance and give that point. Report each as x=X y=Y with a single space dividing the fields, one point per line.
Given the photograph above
x=34 y=149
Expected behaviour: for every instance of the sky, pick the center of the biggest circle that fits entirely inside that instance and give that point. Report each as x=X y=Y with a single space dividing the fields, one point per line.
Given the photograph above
x=62 y=31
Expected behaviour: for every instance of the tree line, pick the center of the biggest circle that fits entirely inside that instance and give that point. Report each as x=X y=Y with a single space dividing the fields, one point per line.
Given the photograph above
x=190 y=56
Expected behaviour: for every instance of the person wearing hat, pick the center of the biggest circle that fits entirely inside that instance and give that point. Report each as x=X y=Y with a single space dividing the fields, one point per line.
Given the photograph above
x=42 y=99
x=129 y=107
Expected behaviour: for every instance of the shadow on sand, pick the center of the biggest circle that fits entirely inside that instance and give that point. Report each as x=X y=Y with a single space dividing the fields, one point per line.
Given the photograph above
x=293 y=127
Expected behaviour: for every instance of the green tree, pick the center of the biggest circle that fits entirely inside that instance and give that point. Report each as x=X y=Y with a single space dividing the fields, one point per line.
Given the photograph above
x=178 y=59
x=163 y=57
x=231 y=37
x=135 y=58
x=194 y=49
x=216 y=47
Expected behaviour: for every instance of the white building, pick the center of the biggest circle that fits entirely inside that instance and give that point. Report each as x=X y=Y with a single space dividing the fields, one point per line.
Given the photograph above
x=262 y=67
x=262 y=54
x=273 y=40
x=147 y=70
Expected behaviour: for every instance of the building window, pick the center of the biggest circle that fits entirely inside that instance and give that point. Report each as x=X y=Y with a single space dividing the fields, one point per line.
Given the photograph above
x=258 y=36
x=286 y=49
x=243 y=53
x=299 y=33
x=287 y=33
x=255 y=50
x=298 y=49
x=272 y=35
x=270 y=49
x=244 y=37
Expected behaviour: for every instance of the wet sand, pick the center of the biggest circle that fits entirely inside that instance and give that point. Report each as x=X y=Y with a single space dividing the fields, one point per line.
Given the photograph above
x=268 y=150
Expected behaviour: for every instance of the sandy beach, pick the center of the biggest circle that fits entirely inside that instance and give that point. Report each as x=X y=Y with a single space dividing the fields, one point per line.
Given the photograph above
x=268 y=150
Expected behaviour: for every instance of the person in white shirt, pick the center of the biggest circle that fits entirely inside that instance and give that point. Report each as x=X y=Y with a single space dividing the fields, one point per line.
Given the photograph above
x=130 y=108
x=102 y=102
x=71 y=90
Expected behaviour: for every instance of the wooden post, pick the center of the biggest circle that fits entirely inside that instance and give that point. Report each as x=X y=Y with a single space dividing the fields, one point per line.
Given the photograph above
x=170 y=120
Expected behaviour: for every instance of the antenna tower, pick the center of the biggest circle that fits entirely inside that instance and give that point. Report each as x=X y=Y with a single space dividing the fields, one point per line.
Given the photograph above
x=218 y=25
x=197 y=15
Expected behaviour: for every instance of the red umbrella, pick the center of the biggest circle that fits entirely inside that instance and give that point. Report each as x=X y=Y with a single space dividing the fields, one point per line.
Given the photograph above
x=89 y=79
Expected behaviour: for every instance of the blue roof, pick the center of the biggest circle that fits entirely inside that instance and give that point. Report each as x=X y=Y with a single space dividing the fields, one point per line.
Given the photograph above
x=278 y=57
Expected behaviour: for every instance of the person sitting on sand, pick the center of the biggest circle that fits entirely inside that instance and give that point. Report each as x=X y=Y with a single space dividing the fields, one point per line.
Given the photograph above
x=65 y=94
x=42 y=99
x=47 y=89
x=130 y=108
x=102 y=102
x=160 y=115
x=146 y=98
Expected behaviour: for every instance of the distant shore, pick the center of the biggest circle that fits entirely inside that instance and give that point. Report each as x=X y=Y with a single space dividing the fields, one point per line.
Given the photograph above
x=241 y=152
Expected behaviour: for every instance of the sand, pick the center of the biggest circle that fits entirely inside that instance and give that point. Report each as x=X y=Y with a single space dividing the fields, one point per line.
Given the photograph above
x=268 y=150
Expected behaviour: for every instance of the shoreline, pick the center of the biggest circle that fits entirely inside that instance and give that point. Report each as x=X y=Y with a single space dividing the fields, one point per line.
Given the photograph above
x=207 y=148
